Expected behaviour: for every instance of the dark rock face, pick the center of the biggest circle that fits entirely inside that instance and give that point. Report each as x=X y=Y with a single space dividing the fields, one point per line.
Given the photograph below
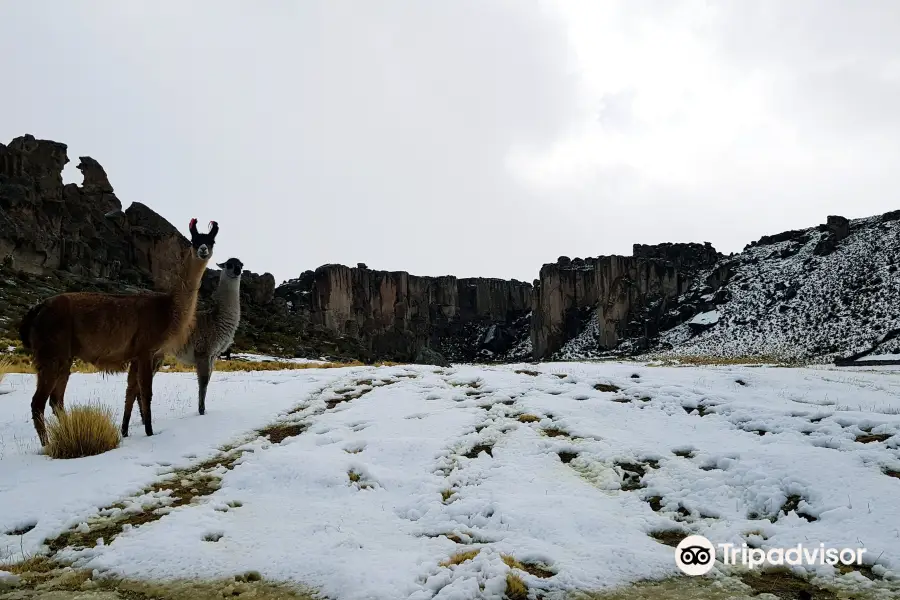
x=834 y=230
x=618 y=297
x=46 y=227
x=394 y=315
x=689 y=256
x=56 y=237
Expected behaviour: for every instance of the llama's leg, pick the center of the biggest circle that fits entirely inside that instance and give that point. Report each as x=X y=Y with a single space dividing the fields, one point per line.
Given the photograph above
x=57 y=396
x=204 y=372
x=145 y=385
x=132 y=392
x=45 y=384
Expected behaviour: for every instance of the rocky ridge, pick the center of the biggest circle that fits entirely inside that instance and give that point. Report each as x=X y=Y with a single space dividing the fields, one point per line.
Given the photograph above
x=820 y=293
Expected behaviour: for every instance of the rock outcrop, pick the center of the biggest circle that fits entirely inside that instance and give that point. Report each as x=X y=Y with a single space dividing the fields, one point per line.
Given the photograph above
x=825 y=291
x=47 y=227
x=394 y=315
x=600 y=301
x=56 y=237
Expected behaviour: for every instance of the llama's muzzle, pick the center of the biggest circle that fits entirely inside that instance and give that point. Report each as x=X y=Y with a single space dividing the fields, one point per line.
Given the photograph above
x=203 y=251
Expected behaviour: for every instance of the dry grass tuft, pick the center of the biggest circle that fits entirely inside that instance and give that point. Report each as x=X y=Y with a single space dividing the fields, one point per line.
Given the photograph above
x=528 y=419
x=527 y=372
x=5 y=367
x=515 y=587
x=536 y=570
x=460 y=557
x=80 y=431
x=33 y=564
x=446 y=495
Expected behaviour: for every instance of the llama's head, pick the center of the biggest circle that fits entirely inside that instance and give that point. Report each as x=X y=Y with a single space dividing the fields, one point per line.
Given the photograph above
x=232 y=268
x=202 y=243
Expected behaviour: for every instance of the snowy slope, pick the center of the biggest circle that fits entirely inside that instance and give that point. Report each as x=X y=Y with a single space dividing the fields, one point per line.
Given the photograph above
x=783 y=300
x=392 y=470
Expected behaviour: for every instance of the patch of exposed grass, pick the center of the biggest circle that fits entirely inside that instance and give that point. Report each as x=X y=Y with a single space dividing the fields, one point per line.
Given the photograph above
x=870 y=438
x=675 y=588
x=82 y=430
x=527 y=372
x=515 y=587
x=179 y=489
x=700 y=408
x=21 y=363
x=472 y=384
x=478 y=449
x=892 y=473
x=446 y=495
x=669 y=537
x=43 y=578
x=655 y=503
x=346 y=395
x=684 y=453
x=784 y=584
x=354 y=476
x=22 y=529
x=526 y=418
x=632 y=474
x=278 y=432
x=554 y=432
x=793 y=504
x=606 y=387
x=567 y=457
x=32 y=564
x=460 y=557
x=532 y=568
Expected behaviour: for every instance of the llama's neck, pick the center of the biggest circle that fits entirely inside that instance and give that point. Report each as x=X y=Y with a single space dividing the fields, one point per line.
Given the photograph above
x=227 y=302
x=184 y=299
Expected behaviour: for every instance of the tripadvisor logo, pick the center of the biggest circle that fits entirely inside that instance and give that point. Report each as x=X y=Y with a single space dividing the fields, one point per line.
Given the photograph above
x=696 y=555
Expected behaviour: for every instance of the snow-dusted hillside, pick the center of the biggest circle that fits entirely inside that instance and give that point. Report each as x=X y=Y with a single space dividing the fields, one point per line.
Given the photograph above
x=815 y=294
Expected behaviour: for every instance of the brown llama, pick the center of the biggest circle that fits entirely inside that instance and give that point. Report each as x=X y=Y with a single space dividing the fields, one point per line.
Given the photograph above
x=111 y=331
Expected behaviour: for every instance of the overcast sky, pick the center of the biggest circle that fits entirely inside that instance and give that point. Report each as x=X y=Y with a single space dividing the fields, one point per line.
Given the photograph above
x=468 y=137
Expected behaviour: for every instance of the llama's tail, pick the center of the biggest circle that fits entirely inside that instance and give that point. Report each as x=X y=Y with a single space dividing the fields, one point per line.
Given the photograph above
x=27 y=321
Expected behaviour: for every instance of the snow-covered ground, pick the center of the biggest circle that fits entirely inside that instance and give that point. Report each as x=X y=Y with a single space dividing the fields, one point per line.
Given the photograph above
x=266 y=358
x=398 y=468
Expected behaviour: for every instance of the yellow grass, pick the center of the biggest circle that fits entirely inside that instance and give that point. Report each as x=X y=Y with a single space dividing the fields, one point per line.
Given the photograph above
x=21 y=363
x=85 y=430
x=459 y=558
x=5 y=367
x=515 y=587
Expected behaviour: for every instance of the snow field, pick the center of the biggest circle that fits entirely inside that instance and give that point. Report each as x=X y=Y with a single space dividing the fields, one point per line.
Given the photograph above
x=389 y=472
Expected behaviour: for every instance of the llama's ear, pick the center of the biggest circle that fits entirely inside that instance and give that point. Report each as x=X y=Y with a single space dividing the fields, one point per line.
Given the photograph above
x=220 y=265
x=193 y=228
x=213 y=229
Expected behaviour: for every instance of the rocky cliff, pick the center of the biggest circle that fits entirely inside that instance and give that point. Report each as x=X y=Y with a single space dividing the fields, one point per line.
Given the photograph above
x=821 y=292
x=597 y=302
x=394 y=315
